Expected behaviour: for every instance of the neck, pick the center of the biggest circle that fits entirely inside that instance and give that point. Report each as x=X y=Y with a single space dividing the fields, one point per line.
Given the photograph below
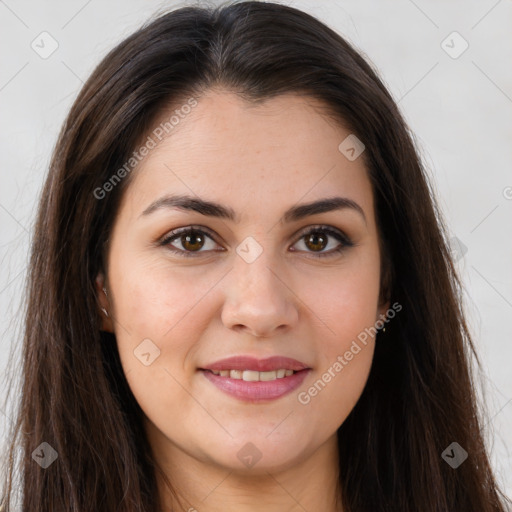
x=308 y=483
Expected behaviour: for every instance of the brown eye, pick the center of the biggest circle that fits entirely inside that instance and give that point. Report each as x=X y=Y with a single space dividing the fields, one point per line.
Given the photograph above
x=316 y=241
x=189 y=242
x=192 y=242
x=318 y=238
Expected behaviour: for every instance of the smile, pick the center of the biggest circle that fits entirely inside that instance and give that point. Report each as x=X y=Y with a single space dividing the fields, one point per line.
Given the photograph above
x=253 y=386
x=254 y=376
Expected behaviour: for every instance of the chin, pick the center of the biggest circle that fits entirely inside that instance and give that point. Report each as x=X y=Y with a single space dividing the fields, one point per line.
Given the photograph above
x=258 y=454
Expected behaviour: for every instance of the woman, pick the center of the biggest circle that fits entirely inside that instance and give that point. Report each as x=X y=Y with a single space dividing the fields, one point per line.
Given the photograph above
x=240 y=294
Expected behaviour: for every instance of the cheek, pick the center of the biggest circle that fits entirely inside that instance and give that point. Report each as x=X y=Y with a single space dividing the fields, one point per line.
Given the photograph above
x=344 y=306
x=330 y=397
x=345 y=356
x=344 y=298
x=159 y=320
x=169 y=307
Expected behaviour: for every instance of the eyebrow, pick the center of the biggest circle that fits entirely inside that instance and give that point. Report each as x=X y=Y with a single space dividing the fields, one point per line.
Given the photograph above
x=213 y=209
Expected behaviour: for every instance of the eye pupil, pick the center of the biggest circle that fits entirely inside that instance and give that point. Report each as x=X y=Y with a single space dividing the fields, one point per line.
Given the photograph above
x=191 y=240
x=312 y=241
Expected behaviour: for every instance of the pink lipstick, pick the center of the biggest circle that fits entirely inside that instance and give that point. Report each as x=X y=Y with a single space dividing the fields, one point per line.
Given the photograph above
x=251 y=379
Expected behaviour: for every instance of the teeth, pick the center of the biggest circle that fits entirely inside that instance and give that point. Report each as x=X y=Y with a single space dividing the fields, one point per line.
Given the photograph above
x=253 y=376
x=236 y=374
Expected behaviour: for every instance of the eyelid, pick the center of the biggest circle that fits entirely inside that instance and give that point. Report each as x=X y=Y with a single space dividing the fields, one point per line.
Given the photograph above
x=331 y=231
x=175 y=233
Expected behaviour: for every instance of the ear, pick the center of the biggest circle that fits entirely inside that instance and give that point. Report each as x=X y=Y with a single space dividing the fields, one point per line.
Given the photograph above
x=104 y=308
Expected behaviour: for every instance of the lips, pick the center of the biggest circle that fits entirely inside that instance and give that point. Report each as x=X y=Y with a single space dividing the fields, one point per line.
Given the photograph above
x=256 y=391
x=256 y=380
x=250 y=363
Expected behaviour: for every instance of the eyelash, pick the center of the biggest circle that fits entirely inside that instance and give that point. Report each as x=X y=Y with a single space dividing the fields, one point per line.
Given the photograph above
x=338 y=235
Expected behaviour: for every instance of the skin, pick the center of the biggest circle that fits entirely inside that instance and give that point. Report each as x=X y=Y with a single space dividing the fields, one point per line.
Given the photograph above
x=200 y=309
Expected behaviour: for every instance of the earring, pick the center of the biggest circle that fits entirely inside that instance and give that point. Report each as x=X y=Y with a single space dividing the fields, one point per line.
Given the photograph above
x=103 y=309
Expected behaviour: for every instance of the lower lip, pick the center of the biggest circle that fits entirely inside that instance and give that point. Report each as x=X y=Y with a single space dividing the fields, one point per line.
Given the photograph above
x=259 y=390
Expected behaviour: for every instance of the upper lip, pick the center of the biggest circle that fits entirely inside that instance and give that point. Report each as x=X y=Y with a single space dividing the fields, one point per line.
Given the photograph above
x=255 y=364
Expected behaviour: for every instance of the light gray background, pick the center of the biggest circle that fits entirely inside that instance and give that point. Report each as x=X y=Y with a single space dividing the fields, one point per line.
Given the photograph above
x=459 y=108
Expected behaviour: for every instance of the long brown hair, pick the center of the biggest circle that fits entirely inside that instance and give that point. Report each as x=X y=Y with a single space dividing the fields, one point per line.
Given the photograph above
x=420 y=395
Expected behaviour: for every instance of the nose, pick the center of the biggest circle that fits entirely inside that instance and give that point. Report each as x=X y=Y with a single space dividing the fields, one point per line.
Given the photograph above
x=259 y=300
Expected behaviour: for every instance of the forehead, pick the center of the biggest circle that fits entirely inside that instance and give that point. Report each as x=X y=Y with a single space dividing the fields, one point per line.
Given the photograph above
x=281 y=151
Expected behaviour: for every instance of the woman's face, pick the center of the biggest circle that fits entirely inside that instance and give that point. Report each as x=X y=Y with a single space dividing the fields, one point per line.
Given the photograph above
x=255 y=285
